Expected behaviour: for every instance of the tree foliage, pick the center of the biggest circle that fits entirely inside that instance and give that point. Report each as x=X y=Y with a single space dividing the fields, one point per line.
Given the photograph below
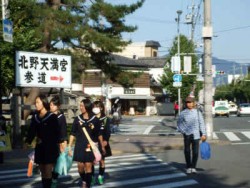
x=238 y=91
x=87 y=30
x=189 y=82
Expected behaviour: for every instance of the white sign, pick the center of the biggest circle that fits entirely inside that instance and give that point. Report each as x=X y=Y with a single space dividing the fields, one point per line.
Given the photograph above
x=175 y=64
x=7 y=30
x=43 y=70
x=177 y=84
x=5 y=11
x=187 y=64
x=177 y=77
x=200 y=78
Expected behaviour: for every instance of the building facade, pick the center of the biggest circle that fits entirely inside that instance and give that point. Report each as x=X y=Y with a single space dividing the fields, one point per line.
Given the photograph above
x=140 y=99
x=138 y=50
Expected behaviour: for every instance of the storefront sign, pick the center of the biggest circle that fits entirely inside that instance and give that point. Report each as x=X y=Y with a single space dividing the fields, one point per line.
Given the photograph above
x=129 y=91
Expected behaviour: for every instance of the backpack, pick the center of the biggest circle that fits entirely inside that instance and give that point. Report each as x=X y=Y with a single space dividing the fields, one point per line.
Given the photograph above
x=205 y=150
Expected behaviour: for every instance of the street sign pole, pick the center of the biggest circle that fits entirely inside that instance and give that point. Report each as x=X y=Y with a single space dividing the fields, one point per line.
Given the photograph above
x=179 y=12
x=7 y=36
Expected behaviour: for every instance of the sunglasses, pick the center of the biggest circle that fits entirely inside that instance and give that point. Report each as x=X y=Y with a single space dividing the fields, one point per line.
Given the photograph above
x=188 y=102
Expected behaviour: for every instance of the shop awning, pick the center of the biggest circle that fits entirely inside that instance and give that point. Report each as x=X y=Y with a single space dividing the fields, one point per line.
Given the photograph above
x=133 y=97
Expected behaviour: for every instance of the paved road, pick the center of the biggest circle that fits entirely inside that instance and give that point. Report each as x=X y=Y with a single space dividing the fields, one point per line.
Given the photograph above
x=227 y=168
x=165 y=170
x=128 y=170
x=234 y=129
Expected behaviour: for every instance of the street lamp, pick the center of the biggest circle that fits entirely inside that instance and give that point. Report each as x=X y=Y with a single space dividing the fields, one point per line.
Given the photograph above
x=179 y=12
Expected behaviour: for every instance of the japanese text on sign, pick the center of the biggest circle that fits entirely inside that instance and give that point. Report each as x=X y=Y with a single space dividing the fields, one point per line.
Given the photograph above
x=43 y=70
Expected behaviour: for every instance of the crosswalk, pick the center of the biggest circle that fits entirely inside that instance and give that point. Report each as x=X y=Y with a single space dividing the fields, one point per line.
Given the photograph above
x=128 y=170
x=234 y=136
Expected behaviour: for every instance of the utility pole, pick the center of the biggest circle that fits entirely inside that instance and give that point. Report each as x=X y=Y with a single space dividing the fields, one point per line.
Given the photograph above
x=193 y=21
x=191 y=18
x=207 y=34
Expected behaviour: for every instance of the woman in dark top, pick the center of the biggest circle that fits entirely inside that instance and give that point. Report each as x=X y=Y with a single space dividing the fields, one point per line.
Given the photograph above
x=55 y=108
x=44 y=126
x=99 y=111
x=83 y=153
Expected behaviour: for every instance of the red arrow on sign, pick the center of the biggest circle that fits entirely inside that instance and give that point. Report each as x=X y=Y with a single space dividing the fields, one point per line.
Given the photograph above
x=55 y=78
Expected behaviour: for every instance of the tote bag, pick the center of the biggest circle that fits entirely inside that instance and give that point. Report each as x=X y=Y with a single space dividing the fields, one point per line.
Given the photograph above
x=205 y=150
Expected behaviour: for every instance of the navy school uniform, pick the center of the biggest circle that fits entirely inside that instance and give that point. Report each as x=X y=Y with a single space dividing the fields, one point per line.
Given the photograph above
x=82 y=150
x=106 y=132
x=47 y=133
x=63 y=127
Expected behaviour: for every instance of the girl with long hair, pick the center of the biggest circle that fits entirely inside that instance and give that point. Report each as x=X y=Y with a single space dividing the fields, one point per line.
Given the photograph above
x=45 y=127
x=83 y=154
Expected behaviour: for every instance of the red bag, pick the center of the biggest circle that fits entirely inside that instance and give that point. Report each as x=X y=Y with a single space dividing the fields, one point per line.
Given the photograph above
x=30 y=168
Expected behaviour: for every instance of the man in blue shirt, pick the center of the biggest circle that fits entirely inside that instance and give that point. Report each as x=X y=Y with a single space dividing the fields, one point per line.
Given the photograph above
x=191 y=125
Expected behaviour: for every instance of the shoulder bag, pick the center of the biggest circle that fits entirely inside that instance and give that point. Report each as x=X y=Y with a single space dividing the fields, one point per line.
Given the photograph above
x=93 y=145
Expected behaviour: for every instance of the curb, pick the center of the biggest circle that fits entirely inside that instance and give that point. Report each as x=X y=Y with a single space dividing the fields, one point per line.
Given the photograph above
x=146 y=144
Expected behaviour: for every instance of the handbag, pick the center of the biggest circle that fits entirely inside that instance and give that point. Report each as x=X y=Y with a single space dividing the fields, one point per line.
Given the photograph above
x=93 y=145
x=30 y=164
x=205 y=150
x=61 y=164
x=5 y=143
x=199 y=121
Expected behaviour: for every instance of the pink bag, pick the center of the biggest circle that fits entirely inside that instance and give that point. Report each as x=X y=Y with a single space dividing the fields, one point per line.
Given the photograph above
x=96 y=152
x=94 y=147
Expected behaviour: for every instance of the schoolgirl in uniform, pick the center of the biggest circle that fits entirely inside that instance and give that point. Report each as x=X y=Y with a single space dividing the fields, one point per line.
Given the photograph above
x=55 y=108
x=99 y=111
x=83 y=154
x=45 y=127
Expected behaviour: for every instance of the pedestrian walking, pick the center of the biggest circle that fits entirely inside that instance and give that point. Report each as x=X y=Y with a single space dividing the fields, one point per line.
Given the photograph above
x=99 y=111
x=116 y=116
x=176 y=109
x=83 y=153
x=191 y=124
x=45 y=127
x=55 y=108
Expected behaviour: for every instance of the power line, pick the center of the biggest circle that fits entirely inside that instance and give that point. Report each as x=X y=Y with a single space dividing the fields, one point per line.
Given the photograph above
x=150 y=19
x=235 y=28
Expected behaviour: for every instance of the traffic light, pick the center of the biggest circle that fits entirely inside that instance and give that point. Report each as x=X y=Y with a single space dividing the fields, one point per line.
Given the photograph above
x=220 y=72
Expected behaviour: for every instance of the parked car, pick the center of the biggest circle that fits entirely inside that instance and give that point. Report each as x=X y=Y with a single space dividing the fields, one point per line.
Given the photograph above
x=233 y=108
x=243 y=109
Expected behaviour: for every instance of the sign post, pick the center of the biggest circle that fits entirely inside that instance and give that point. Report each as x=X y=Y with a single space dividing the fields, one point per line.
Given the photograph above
x=177 y=83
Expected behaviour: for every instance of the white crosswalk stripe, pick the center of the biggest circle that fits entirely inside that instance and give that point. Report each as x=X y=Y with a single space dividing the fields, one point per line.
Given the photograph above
x=128 y=170
x=231 y=136
x=236 y=136
x=246 y=133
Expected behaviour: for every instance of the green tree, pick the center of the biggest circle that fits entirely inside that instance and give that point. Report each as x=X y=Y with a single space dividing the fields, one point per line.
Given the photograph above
x=241 y=89
x=89 y=30
x=189 y=82
x=238 y=90
x=224 y=92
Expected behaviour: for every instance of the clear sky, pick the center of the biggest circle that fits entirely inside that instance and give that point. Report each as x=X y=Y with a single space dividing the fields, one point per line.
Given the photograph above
x=230 y=21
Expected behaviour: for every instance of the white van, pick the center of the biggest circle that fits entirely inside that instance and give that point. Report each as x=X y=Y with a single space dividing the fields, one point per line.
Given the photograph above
x=221 y=108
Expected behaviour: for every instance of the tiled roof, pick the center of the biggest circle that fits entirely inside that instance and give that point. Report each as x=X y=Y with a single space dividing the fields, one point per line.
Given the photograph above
x=141 y=62
x=152 y=43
